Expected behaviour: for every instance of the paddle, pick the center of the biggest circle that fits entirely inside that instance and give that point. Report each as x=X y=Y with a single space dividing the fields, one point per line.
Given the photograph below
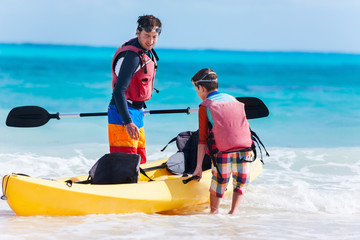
x=254 y=107
x=34 y=116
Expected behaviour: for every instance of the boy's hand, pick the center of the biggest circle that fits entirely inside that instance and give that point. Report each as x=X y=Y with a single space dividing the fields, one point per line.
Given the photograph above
x=198 y=172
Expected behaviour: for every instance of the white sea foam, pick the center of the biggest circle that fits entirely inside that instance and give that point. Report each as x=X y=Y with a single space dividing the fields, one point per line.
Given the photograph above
x=310 y=181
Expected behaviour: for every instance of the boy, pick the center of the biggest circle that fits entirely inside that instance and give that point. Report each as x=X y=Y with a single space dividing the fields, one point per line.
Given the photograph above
x=225 y=132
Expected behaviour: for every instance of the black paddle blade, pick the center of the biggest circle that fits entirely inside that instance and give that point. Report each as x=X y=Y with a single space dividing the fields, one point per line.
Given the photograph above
x=254 y=107
x=27 y=116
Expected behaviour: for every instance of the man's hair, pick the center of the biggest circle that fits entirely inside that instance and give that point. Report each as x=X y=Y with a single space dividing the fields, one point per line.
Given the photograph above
x=206 y=74
x=148 y=21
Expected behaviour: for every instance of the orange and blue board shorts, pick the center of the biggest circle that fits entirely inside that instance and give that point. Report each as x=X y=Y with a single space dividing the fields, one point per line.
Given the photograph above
x=119 y=139
x=235 y=164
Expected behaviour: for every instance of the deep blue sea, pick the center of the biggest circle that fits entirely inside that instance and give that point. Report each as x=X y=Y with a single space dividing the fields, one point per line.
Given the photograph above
x=310 y=182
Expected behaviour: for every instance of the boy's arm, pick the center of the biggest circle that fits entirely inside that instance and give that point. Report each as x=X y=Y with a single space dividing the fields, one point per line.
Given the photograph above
x=200 y=157
x=202 y=146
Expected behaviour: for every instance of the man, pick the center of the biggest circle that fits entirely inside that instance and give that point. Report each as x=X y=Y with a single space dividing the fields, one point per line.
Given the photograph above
x=133 y=71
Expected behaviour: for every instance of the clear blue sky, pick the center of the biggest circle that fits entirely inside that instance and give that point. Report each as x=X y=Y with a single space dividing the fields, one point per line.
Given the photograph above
x=270 y=25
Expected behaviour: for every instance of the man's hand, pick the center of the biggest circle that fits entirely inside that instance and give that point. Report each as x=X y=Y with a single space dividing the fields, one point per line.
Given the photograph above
x=133 y=131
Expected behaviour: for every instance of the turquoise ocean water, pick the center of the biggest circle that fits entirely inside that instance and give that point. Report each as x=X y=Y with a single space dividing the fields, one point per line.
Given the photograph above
x=309 y=187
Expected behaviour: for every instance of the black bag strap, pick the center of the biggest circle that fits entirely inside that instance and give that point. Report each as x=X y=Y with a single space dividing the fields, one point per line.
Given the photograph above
x=172 y=140
x=144 y=173
x=87 y=181
x=257 y=140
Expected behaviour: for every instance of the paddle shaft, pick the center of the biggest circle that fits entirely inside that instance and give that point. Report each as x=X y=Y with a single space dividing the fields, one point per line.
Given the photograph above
x=187 y=110
x=254 y=108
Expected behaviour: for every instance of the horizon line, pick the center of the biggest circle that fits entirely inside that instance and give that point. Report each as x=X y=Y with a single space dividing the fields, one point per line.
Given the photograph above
x=185 y=48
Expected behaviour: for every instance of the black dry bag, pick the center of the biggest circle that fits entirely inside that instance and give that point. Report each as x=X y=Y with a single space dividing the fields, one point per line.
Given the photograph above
x=185 y=160
x=116 y=168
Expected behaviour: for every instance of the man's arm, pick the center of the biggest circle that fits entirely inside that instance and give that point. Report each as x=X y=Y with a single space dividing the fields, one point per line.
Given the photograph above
x=130 y=63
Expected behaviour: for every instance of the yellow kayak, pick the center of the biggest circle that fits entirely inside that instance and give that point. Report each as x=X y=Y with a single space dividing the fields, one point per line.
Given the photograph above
x=34 y=196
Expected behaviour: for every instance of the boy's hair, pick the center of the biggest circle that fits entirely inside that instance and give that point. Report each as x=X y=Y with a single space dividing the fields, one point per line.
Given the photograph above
x=148 y=21
x=207 y=78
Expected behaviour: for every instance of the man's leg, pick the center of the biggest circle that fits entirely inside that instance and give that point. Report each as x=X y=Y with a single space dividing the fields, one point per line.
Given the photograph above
x=141 y=146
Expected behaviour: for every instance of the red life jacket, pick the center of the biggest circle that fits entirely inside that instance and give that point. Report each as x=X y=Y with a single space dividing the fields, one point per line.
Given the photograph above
x=141 y=85
x=230 y=126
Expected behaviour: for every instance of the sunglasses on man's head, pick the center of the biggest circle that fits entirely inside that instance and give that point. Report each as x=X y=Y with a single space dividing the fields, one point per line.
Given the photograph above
x=149 y=29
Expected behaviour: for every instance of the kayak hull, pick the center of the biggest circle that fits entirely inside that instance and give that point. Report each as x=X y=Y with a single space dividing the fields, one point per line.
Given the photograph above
x=34 y=196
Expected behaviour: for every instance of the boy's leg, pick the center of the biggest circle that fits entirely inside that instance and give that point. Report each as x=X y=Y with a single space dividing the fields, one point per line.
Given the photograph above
x=214 y=204
x=241 y=177
x=237 y=197
x=219 y=180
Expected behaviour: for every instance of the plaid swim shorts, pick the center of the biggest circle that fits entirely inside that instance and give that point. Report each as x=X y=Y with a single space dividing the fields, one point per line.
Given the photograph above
x=235 y=164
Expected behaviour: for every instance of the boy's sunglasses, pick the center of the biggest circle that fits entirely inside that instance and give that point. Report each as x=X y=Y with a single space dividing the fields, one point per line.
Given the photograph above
x=149 y=29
